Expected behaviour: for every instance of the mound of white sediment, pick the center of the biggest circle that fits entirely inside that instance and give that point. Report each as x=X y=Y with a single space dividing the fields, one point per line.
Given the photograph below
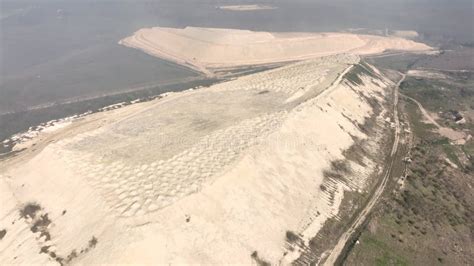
x=409 y=34
x=207 y=48
x=206 y=176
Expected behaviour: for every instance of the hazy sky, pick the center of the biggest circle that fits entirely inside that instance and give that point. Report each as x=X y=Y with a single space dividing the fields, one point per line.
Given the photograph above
x=68 y=42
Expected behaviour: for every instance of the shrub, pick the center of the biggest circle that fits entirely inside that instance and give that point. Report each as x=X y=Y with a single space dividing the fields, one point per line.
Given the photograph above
x=30 y=210
x=93 y=242
x=291 y=236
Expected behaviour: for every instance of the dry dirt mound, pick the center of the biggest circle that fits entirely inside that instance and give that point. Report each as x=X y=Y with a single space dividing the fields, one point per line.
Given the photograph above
x=207 y=48
x=203 y=176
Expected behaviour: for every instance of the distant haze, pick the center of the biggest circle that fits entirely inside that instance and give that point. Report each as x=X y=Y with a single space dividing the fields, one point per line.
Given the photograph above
x=52 y=51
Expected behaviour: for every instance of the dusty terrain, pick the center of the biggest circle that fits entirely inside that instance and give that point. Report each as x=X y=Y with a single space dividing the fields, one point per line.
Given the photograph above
x=217 y=175
x=204 y=49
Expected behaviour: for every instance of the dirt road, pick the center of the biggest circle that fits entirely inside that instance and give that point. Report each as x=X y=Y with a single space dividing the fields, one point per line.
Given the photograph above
x=346 y=236
x=423 y=111
x=453 y=135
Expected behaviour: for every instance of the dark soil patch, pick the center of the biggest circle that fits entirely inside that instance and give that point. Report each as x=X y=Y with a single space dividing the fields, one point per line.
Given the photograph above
x=30 y=210
x=258 y=260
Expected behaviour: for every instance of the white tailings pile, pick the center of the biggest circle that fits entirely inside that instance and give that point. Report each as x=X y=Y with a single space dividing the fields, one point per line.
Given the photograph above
x=202 y=176
x=204 y=49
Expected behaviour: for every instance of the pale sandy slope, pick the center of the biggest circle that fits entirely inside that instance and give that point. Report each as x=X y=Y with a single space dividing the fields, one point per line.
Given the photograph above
x=207 y=48
x=203 y=176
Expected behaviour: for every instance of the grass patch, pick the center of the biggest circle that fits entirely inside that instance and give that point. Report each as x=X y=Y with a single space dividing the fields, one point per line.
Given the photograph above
x=3 y=232
x=398 y=62
x=384 y=255
x=415 y=117
x=258 y=260
x=443 y=97
x=356 y=72
x=339 y=169
x=41 y=225
x=93 y=242
x=30 y=210
x=291 y=236
x=341 y=166
x=450 y=152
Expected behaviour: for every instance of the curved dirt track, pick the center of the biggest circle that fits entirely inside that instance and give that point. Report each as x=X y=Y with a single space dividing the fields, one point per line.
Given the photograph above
x=454 y=135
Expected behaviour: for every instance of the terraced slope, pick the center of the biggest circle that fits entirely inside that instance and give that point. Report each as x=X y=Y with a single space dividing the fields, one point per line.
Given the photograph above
x=215 y=175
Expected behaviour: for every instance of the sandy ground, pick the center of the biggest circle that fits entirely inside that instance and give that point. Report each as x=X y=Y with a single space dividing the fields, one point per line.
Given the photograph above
x=201 y=176
x=204 y=49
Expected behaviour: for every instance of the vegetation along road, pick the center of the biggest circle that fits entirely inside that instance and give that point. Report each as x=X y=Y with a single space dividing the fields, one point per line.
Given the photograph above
x=346 y=236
